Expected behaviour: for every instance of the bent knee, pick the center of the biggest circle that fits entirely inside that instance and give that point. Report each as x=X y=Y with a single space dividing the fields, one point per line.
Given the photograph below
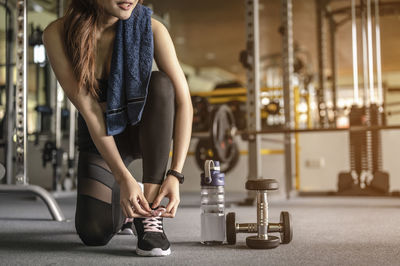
x=94 y=236
x=161 y=86
x=93 y=229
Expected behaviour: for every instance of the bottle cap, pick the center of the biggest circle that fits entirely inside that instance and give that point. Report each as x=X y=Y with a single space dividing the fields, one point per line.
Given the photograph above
x=217 y=179
x=210 y=166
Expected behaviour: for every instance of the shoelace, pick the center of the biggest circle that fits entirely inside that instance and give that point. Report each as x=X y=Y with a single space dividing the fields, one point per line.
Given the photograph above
x=153 y=224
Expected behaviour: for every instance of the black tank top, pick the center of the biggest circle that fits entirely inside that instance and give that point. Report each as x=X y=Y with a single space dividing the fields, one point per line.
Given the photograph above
x=103 y=83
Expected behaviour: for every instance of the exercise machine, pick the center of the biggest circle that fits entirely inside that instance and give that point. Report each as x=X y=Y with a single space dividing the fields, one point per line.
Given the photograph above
x=22 y=185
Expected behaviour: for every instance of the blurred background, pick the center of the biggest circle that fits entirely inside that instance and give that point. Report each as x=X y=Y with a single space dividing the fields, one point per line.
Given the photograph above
x=306 y=92
x=210 y=40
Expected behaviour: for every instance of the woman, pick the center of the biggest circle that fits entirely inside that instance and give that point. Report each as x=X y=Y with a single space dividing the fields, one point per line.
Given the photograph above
x=79 y=47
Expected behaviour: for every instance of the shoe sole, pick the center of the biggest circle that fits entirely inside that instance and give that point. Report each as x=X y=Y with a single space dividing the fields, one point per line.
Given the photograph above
x=127 y=231
x=155 y=252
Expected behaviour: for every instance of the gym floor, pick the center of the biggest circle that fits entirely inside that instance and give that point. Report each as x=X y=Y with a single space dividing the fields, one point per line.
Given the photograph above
x=327 y=231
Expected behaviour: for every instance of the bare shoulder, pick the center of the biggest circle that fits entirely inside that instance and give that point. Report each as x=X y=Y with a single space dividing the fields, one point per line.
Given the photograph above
x=157 y=27
x=53 y=30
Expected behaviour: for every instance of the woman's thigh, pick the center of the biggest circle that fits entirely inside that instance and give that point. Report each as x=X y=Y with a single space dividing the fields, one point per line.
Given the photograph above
x=98 y=213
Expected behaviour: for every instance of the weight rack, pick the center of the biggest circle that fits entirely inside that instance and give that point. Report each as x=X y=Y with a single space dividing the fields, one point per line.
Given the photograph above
x=22 y=185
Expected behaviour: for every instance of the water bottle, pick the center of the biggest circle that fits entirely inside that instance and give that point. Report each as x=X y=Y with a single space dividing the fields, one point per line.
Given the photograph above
x=212 y=204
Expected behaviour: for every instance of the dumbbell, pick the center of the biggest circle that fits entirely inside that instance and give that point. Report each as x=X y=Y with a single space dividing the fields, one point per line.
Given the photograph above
x=262 y=240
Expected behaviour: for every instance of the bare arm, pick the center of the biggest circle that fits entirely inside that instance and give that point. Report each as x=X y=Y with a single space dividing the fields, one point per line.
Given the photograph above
x=91 y=112
x=167 y=61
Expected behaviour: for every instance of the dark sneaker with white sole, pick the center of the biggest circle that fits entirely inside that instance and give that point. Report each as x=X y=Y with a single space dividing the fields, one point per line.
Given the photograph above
x=152 y=240
x=127 y=228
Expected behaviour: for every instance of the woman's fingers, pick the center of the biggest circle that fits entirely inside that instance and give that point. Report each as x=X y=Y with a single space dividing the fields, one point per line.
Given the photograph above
x=171 y=208
x=174 y=209
x=170 y=205
x=138 y=208
x=158 y=199
x=128 y=209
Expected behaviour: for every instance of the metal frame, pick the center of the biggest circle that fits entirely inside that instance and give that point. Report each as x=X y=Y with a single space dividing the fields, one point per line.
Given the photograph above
x=364 y=11
x=356 y=90
x=365 y=53
x=60 y=100
x=22 y=186
x=321 y=49
x=288 y=93
x=378 y=54
x=370 y=49
x=332 y=39
x=253 y=89
x=370 y=157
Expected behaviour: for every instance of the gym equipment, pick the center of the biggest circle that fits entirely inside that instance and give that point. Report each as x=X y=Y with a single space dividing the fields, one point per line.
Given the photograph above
x=263 y=228
x=44 y=112
x=253 y=88
x=201 y=114
x=222 y=121
x=204 y=151
x=366 y=176
x=22 y=186
x=52 y=154
x=272 y=108
x=224 y=150
x=238 y=109
x=225 y=130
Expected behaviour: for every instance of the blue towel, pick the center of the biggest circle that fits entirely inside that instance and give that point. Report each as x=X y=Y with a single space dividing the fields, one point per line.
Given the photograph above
x=130 y=71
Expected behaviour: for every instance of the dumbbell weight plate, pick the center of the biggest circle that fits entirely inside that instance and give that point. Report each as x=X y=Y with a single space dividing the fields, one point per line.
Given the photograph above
x=231 y=228
x=287 y=233
x=257 y=243
x=262 y=184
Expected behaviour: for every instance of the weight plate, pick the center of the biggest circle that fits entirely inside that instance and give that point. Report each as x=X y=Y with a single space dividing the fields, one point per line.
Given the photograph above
x=204 y=151
x=200 y=114
x=257 y=243
x=272 y=108
x=286 y=222
x=262 y=184
x=380 y=182
x=238 y=109
x=231 y=228
x=222 y=131
x=345 y=181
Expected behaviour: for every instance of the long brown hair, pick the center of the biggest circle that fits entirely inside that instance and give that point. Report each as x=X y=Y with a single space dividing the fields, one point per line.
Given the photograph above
x=80 y=29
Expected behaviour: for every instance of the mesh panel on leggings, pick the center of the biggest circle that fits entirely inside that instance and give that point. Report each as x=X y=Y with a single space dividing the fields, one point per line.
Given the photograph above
x=98 y=214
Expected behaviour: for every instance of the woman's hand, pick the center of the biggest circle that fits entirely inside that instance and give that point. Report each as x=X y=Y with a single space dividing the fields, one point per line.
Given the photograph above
x=169 y=189
x=132 y=200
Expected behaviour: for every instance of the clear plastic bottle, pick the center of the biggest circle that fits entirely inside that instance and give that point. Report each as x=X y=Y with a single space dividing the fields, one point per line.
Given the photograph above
x=212 y=204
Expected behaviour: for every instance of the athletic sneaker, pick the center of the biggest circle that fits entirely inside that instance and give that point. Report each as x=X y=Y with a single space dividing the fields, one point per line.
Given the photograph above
x=128 y=228
x=152 y=240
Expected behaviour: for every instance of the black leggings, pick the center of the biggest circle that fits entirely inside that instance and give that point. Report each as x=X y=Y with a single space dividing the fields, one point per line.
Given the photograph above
x=98 y=212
